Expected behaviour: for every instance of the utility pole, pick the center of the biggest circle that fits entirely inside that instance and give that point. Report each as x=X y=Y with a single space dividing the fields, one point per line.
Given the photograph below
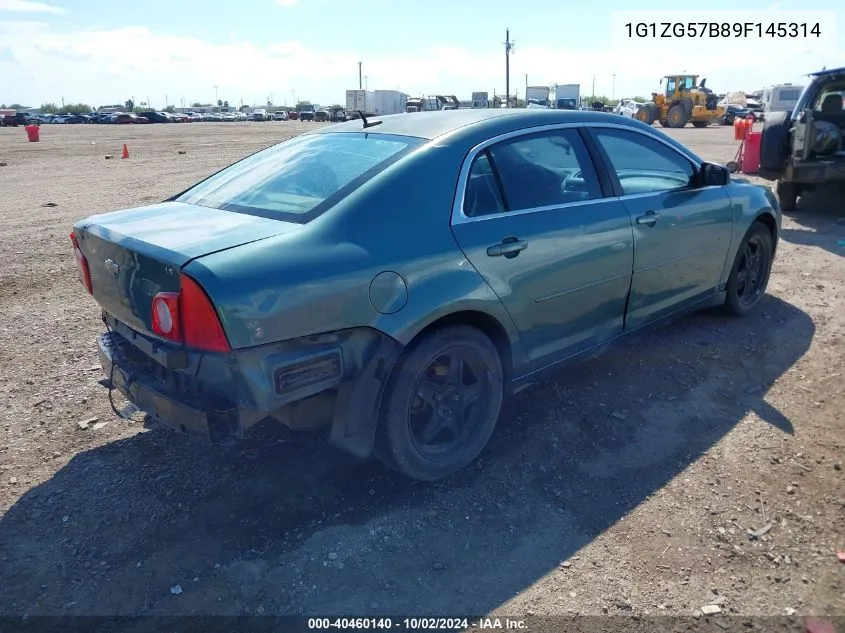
x=215 y=95
x=593 y=94
x=526 y=90
x=509 y=45
x=365 y=82
x=613 y=90
x=360 y=80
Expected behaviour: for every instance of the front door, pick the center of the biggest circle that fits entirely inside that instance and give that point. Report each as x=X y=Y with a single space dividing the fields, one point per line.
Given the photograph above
x=535 y=223
x=682 y=232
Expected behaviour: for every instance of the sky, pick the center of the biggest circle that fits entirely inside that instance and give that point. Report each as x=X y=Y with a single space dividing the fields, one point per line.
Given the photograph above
x=101 y=52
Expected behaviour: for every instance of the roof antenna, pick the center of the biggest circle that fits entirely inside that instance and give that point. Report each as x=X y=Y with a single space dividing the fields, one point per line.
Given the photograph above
x=367 y=123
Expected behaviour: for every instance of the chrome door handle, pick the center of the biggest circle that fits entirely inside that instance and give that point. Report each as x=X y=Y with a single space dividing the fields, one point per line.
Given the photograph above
x=649 y=219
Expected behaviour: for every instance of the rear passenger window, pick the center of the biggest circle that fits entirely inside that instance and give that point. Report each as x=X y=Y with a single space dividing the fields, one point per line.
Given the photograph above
x=544 y=170
x=482 y=194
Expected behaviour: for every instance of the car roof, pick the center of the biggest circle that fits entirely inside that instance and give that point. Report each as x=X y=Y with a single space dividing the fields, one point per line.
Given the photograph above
x=430 y=125
x=831 y=71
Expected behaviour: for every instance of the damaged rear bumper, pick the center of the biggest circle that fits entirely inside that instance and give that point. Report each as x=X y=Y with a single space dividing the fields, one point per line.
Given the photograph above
x=335 y=379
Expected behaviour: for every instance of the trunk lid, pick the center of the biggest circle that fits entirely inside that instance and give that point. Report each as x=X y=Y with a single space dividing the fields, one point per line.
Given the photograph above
x=136 y=253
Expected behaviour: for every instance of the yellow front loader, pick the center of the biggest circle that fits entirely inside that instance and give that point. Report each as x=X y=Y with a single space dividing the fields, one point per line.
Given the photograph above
x=682 y=101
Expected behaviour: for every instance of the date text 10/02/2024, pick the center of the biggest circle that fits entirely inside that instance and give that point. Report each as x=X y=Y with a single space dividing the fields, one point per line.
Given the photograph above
x=417 y=623
x=772 y=30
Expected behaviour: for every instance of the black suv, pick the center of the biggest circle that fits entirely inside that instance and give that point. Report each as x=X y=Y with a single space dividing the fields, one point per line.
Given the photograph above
x=804 y=149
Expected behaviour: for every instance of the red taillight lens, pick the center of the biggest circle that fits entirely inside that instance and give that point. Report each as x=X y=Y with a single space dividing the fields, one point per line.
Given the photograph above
x=200 y=323
x=166 y=321
x=82 y=265
x=189 y=317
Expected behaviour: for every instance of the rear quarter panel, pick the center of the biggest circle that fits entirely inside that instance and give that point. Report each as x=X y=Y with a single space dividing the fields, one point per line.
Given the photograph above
x=319 y=279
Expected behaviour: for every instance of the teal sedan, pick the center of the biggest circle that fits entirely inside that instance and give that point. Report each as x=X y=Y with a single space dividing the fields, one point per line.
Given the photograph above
x=392 y=280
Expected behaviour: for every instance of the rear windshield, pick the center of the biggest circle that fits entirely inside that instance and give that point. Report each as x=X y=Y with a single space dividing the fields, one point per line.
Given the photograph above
x=300 y=178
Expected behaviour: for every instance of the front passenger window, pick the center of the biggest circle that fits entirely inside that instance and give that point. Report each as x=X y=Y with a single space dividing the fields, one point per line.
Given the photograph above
x=642 y=164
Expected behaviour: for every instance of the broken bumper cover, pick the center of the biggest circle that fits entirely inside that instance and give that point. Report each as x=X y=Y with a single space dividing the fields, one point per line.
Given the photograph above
x=335 y=379
x=153 y=397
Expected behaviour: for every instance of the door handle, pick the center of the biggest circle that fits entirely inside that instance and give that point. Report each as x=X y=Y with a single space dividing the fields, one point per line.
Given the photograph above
x=650 y=218
x=510 y=247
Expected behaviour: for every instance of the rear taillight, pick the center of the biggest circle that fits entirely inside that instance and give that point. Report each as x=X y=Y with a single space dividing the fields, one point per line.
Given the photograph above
x=82 y=265
x=189 y=317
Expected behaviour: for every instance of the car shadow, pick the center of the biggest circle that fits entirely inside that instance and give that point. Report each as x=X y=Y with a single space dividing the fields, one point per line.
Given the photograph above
x=284 y=524
x=819 y=212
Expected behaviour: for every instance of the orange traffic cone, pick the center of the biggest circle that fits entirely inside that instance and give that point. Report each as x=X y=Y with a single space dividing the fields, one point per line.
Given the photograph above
x=125 y=151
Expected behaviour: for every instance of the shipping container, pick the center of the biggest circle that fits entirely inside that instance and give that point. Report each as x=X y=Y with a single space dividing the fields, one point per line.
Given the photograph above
x=390 y=102
x=363 y=100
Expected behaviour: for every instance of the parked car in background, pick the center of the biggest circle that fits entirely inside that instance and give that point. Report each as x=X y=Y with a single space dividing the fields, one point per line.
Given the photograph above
x=129 y=117
x=307 y=113
x=279 y=288
x=322 y=116
x=734 y=112
x=281 y=115
x=627 y=107
x=156 y=117
x=258 y=115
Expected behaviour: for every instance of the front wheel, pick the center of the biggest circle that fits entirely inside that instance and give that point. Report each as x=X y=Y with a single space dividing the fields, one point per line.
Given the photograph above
x=751 y=270
x=441 y=404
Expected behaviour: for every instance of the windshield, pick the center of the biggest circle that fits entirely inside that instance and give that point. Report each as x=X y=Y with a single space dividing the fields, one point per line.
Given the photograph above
x=298 y=179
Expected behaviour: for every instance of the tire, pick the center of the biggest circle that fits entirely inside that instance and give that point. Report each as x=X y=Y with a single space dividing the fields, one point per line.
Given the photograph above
x=774 y=144
x=663 y=123
x=700 y=124
x=677 y=116
x=787 y=193
x=643 y=115
x=757 y=242
x=399 y=444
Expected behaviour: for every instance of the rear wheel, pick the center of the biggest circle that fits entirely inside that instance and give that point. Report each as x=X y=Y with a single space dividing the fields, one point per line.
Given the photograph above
x=441 y=404
x=677 y=116
x=750 y=273
x=700 y=124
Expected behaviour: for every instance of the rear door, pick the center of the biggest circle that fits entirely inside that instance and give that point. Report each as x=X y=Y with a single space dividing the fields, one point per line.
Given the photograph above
x=533 y=219
x=682 y=232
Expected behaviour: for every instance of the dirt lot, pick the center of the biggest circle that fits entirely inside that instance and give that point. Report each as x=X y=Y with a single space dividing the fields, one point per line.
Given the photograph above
x=626 y=485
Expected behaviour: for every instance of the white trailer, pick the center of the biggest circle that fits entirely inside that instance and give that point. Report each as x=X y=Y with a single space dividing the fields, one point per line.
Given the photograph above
x=567 y=96
x=389 y=102
x=363 y=100
x=780 y=98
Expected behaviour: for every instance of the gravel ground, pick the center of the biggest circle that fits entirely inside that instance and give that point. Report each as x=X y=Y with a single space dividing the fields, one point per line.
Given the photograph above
x=627 y=485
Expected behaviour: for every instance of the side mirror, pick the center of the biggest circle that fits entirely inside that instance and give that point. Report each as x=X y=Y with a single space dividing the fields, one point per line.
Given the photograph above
x=712 y=175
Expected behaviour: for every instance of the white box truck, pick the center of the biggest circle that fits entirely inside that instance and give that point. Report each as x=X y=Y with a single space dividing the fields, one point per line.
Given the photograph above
x=389 y=102
x=537 y=96
x=363 y=100
x=480 y=100
x=567 y=96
